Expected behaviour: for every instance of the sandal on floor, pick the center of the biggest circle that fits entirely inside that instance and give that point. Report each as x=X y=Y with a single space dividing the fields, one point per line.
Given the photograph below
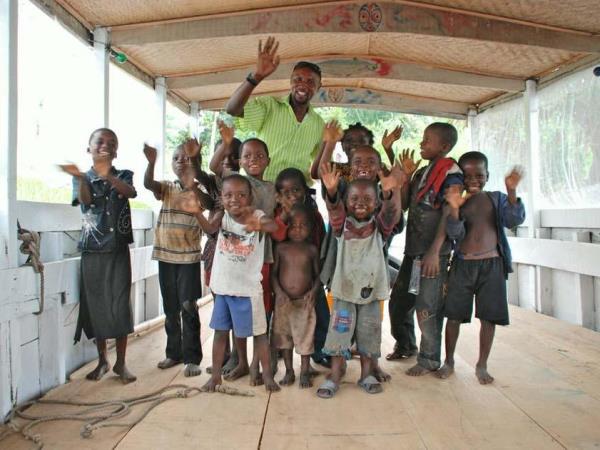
x=370 y=385
x=327 y=389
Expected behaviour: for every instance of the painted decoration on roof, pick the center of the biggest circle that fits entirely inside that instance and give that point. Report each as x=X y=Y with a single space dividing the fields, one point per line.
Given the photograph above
x=348 y=96
x=370 y=17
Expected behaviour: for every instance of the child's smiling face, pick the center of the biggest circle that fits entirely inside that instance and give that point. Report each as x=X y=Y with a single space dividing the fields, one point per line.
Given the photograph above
x=103 y=146
x=361 y=201
x=365 y=163
x=352 y=139
x=254 y=159
x=235 y=196
x=476 y=175
x=292 y=190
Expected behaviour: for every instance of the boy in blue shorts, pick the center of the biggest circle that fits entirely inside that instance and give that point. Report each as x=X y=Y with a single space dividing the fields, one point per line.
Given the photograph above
x=482 y=258
x=236 y=274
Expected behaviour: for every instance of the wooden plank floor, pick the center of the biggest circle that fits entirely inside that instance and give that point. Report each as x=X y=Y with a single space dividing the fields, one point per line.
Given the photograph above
x=546 y=395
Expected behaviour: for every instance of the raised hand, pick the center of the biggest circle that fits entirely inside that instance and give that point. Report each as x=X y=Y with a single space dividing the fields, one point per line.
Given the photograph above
x=388 y=139
x=268 y=59
x=227 y=133
x=332 y=132
x=192 y=148
x=252 y=222
x=387 y=183
x=454 y=196
x=187 y=201
x=330 y=178
x=150 y=153
x=407 y=162
x=71 y=169
x=513 y=179
x=397 y=172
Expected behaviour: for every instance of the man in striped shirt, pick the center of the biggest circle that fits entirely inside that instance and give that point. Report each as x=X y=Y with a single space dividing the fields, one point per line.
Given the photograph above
x=289 y=125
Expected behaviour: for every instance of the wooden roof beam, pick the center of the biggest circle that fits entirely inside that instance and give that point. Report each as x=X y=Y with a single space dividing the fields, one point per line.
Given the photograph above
x=361 y=68
x=370 y=98
x=356 y=17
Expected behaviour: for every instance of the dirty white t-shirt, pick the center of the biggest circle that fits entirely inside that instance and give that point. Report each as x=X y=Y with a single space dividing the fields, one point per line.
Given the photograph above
x=238 y=259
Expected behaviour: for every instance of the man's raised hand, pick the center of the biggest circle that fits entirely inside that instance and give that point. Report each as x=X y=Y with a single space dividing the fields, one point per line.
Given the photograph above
x=268 y=59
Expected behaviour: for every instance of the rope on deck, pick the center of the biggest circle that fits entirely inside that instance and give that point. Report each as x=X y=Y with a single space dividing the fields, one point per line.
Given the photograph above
x=98 y=415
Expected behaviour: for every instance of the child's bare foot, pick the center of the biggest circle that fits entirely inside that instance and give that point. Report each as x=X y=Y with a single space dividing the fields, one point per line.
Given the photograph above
x=124 y=374
x=306 y=379
x=288 y=379
x=446 y=370
x=167 y=363
x=192 y=370
x=256 y=378
x=241 y=370
x=230 y=365
x=483 y=376
x=417 y=370
x=271 y=386
x=211 y=384
x=99 y=371
x=380 y=374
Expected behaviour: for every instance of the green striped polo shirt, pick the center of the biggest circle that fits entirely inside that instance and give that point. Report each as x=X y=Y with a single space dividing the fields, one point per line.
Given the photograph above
x=291 y=143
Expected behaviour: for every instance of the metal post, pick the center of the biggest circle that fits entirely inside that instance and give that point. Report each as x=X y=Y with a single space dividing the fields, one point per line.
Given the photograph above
x=532 y=129
x=472 y=125
x=160 y=90
x=8 y=133
x=101 y=46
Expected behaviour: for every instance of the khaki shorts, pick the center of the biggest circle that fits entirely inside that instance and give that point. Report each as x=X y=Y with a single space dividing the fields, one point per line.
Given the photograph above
x=348 y=319
x=294 y=327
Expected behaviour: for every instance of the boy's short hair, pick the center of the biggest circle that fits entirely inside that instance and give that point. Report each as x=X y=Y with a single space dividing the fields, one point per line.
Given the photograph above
x=304 y=209
x=473 y=156
x=361 y=182
x=360 y=147
x=445 y=131
x=254 y=139
x=308 y=65
x=240 y=178
x=360 y=127
x=103 y=130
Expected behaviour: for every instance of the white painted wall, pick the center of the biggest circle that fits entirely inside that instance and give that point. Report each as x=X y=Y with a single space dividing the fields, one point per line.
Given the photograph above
x=37 y=351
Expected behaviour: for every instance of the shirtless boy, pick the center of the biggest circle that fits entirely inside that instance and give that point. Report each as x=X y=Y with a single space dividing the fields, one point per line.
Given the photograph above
x=295 y=281
x=482 y=258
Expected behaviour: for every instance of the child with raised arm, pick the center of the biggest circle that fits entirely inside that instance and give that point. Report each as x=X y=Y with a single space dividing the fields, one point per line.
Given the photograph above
x=236 y=274
x=104 y=305
x=295 y=280
x=482 y=259
x=361 y=279
x=177 y=249
x=427 y=247
x=254 y=159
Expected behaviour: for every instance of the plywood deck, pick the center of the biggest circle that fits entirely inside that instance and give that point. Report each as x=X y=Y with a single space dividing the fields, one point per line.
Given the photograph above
x=546 y=395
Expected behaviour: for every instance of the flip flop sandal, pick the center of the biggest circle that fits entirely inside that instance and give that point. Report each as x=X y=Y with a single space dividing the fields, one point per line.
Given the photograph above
x=327 y=389
x=370 y=385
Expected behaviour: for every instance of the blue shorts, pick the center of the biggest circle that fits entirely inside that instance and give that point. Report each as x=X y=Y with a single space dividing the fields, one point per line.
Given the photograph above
x=244 y=315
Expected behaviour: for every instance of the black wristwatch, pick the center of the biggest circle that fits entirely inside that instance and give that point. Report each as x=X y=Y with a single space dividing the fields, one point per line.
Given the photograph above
x=250 y=79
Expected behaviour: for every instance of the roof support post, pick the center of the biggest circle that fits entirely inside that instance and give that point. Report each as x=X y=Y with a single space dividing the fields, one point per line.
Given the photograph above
x=532 y=131
x=538 y=276
x=8 y=134
x=193 y=120
x=472 y=125
x=102 y=53
x=160 y=90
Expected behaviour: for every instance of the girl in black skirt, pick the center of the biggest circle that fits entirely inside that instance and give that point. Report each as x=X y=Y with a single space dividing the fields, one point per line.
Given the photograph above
x=104 y=309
